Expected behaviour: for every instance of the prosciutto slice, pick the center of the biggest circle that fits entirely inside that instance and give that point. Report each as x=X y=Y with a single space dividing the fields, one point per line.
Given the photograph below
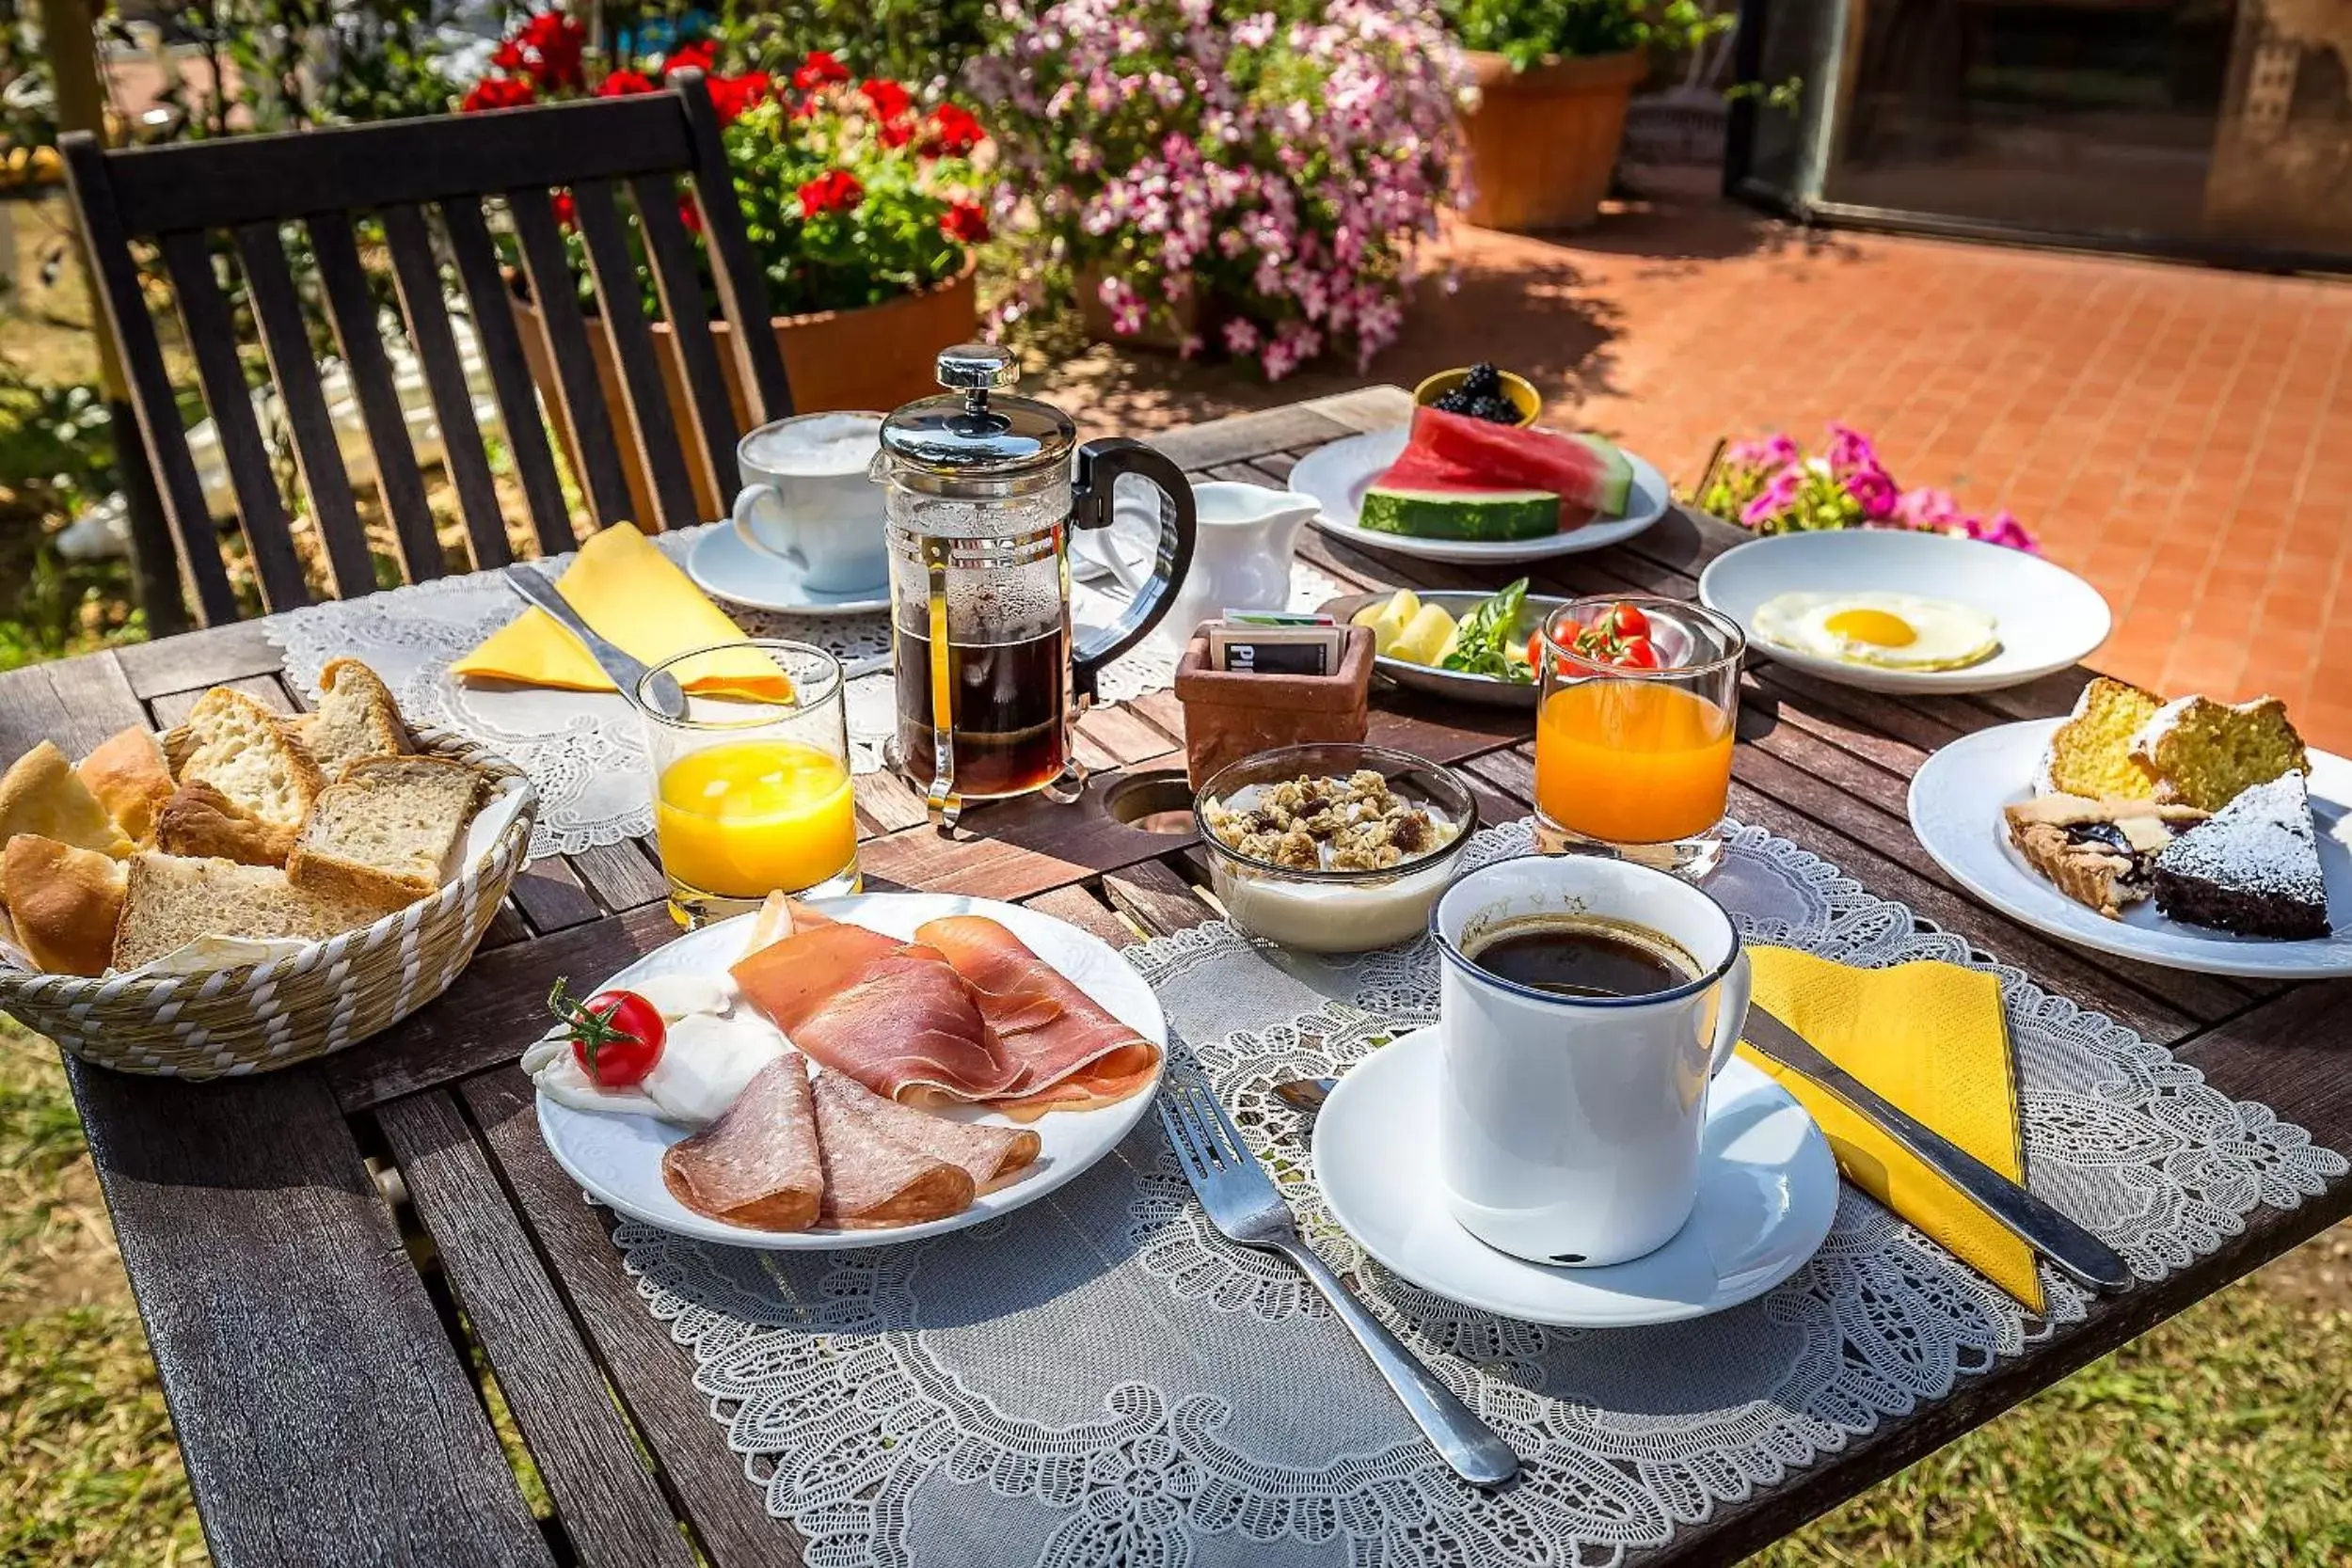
x=1071 y=1054
x=758 y=1164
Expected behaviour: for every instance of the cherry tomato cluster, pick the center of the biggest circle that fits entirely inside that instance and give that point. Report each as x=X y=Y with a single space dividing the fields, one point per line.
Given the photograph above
x=1619 y=635
x=617 y=1034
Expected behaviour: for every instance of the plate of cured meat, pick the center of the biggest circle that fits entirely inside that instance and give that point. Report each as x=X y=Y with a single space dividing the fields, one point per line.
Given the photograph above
x=850 y=1072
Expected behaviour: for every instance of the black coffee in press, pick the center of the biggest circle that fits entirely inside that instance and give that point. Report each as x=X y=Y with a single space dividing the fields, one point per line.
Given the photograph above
x=1575 y=956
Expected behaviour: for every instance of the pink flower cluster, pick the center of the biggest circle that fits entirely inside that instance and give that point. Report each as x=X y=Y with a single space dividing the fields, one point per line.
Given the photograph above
x=1772 y=487
x=1205 y=162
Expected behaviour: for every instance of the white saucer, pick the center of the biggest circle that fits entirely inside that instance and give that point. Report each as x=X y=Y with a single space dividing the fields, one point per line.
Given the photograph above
x=1337 y=475
x=722 y=565
x=1956 y=801
x=1768 y=1190
x=2047 y=617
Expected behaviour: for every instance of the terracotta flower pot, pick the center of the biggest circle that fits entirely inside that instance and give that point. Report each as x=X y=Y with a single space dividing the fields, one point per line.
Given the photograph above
x=1544 y=141
x=873 y=356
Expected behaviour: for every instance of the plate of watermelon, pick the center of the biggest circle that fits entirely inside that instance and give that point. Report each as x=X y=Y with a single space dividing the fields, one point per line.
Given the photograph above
x=1450 y=487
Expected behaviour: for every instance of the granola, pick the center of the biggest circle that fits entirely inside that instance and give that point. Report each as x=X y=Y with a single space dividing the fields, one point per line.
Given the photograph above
x=1329 y=824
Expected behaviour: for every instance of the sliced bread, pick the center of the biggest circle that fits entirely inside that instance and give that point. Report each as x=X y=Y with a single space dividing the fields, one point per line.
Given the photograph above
x=64 y=902
x=357 y=717
x=385 y=831
x=199 y=820
x=41 y=794
x=171 y=900
x=131 y=780
x=250 y=755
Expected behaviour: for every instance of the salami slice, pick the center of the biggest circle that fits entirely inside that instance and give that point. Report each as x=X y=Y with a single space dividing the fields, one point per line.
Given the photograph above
x=873 y=1181
x=758 y=1165
x=992 y=1156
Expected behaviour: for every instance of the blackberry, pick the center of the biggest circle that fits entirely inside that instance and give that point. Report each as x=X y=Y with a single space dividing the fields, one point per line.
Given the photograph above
x=1480 y=397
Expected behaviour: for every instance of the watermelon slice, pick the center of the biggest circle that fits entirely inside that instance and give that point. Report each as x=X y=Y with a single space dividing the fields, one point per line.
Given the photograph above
x=1455 y=452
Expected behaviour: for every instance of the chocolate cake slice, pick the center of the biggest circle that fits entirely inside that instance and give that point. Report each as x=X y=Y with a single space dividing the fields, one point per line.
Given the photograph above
x=2252 y=868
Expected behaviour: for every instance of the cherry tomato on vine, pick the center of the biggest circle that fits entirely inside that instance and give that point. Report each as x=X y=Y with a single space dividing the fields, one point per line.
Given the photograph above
x=616 y=1035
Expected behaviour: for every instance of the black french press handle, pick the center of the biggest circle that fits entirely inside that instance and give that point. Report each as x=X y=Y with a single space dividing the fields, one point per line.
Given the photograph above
x=1099 y=468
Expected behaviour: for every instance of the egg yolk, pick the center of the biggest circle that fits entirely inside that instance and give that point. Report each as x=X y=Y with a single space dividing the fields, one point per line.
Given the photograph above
x=1874 y=627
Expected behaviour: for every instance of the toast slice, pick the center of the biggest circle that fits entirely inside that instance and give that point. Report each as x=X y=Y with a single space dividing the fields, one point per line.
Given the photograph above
x=41 y=794
x=250 y=755
x=65 y=903
x=357 y=717
x=131 y=778
x=385 y=831
x=171 y=900
x=199 y=820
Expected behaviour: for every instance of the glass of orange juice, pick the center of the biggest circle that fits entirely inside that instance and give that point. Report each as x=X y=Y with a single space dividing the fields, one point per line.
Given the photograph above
x=752 y=786
x=1634 y=729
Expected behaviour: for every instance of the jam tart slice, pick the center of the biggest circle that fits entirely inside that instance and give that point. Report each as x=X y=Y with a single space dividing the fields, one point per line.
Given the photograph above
x=2100 y=853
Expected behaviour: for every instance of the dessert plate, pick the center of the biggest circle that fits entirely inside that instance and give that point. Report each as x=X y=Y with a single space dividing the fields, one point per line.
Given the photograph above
x=2047 y=617
x=722 y=565
x=1768 y=1190
x=1956 y=801
x=1338 y=475
x=618 y=1158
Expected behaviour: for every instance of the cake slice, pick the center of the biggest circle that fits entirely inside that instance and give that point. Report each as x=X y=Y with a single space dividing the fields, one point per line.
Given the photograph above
x=2099 y=853
x=2252 y=868
x=2091 y=753
x=2207 y=753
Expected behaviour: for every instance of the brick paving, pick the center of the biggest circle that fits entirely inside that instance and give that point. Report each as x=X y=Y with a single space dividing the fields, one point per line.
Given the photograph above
x=2180 y=436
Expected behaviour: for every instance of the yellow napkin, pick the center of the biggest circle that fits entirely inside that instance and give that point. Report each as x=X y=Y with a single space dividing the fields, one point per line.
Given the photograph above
x=626 y=587
x=1932 y=1039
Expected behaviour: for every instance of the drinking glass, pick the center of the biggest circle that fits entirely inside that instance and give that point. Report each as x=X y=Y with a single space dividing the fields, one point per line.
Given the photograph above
x=1635 y=762
x=751 y=789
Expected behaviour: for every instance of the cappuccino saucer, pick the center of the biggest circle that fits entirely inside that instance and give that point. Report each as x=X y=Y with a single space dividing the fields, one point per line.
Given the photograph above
x=1768 y=1190
x=725 y=566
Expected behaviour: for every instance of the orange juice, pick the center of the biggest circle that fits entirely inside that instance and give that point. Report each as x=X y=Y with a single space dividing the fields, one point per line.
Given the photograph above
x=749 y=817
x=1633 y=761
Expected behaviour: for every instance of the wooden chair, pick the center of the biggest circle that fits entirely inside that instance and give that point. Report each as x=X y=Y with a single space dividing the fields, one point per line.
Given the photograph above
x=179 y=197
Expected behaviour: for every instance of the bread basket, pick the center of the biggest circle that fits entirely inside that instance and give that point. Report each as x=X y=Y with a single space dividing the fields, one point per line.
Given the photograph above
x=259 y=1017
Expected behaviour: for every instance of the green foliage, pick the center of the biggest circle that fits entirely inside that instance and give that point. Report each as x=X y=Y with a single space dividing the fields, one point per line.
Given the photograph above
x=297 y=63
x=1527 y=32
x=925 y=43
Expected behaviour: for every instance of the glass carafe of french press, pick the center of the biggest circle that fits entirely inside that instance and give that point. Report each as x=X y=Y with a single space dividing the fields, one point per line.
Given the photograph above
x=983 y=494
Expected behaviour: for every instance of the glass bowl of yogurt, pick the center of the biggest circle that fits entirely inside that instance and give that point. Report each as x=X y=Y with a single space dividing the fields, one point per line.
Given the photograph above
x=1334 y=848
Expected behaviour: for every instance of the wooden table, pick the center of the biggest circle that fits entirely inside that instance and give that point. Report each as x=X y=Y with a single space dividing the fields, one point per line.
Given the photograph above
x=324 y=1256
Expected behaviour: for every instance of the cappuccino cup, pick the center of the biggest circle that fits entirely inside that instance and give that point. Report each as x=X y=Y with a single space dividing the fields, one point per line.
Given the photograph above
x=1577 y=1058
x=807 y=499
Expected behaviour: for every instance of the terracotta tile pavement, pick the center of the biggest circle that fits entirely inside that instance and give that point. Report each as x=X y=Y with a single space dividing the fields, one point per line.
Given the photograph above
x=2181 y=436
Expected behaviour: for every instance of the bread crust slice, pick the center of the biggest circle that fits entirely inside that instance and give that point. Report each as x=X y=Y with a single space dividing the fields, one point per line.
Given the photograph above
x=199 y=820
x=64 y=901
x=171 y=900
x=131 y=778
x=357 y=717
x=41 y=794
x=387 y=829
x=250 y=755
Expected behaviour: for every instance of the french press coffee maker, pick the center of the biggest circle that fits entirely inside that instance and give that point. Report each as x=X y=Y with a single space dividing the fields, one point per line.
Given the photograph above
x=982 y=495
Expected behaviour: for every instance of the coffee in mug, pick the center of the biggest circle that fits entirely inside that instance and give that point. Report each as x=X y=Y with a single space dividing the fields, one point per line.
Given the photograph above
x=1579 y=955
x=807 y=497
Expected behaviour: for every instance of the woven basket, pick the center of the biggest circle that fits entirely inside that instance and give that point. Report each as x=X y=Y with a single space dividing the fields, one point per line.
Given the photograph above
x=259 y=1017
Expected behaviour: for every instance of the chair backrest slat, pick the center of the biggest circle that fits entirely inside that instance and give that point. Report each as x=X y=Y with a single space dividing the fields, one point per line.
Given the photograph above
x=490 y=307
x=594 y=451
x=204 y=311
x=417 y=275
x=286 y=342
x=351 y=308
x=679 y=283
x=642 y=390
x=743 y=292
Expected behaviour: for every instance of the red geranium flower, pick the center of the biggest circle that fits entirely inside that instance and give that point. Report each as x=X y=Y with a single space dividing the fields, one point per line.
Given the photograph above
x=888 y=99
x=837 y=190
x=818 y=71
x=964 y=222
x=553 y=43
x=567 y=209
x=731 y=95
x=955 y=131
x=688 y=214
x=625 y=83
x=698 y=55
x=508 y=57
x=897 y=132
x=498 y=92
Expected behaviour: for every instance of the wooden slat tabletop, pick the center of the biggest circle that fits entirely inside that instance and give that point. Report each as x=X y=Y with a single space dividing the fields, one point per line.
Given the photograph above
x=317 y=1329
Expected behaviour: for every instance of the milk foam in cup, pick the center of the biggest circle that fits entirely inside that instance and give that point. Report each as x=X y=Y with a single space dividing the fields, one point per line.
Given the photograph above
x=806 y=498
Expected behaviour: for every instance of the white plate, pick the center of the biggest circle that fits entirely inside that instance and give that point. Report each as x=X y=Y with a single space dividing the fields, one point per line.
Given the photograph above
x=2047 y=618
x=1768 y=1190
x=618 y=1158
x=722 y=565
x=1336 y=476
x=1956 y=801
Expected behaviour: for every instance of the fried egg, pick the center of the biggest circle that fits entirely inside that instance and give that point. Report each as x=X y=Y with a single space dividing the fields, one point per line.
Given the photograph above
x=1892 y=631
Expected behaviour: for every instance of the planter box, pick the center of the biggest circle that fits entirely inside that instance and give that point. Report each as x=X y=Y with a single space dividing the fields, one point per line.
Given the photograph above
x=1543 y=142
x=875 y=357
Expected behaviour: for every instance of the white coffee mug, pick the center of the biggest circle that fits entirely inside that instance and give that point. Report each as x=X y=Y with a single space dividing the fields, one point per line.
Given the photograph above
x=806 y=498
x=1569 y=1127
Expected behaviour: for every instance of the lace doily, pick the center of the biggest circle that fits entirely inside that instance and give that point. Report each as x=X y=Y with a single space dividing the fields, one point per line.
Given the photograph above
x=1102 y=1380
x=584 y=750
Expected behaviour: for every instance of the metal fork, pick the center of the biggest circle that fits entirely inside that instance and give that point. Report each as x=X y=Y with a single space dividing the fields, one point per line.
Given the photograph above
x=1242 y=1203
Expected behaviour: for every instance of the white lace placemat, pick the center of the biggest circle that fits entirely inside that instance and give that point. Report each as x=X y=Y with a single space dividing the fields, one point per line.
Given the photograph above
x=585 y=752
x=1100 y=1379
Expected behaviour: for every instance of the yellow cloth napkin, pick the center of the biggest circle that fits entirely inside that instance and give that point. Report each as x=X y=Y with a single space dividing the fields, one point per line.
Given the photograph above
x=627 y=590
x=1934 y=1039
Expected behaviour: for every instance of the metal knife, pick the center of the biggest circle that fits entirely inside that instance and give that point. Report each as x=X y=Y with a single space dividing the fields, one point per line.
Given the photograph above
x=2074 y=1250
x=663 y=694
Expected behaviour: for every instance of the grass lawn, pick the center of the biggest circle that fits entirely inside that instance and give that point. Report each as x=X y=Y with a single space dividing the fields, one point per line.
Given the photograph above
x=2225 y=1437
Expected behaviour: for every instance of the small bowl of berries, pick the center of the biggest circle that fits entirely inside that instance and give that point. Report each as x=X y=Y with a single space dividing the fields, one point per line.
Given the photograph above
x=1482 y=392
